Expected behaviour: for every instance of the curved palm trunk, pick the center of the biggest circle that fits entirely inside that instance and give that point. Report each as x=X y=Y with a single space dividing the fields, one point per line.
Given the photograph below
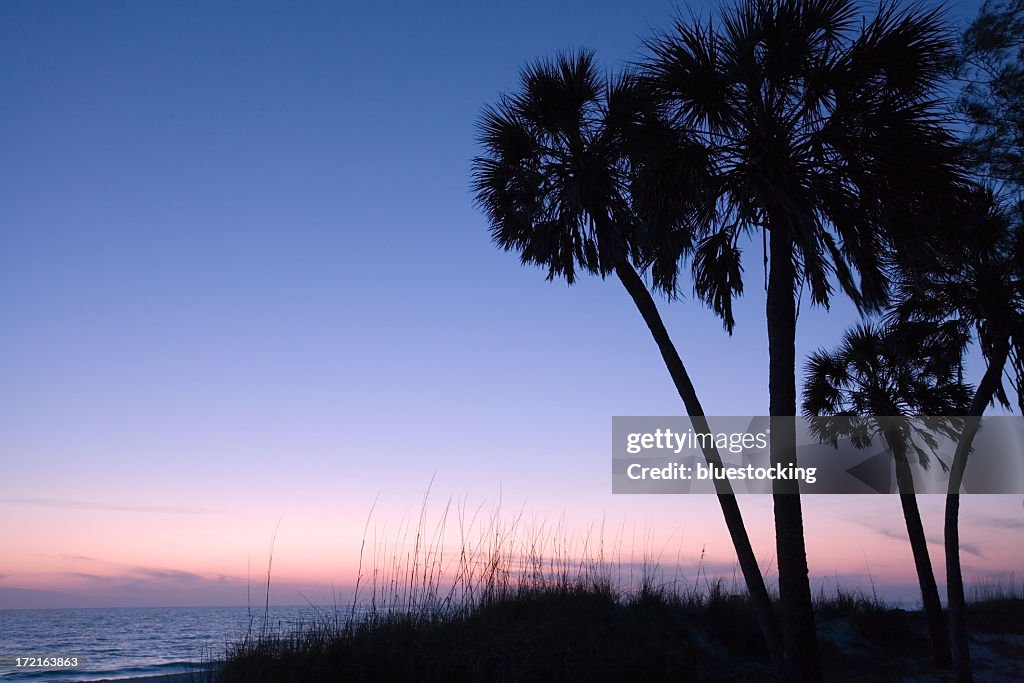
x=800 y=638
x=919 y=546
x=726 y=498
x=954 y=576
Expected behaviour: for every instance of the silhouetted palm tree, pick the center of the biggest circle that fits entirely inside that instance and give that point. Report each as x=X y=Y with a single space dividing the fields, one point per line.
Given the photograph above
x=823 y=134
x=979 y=283
x=555 y=181
x=898 y=382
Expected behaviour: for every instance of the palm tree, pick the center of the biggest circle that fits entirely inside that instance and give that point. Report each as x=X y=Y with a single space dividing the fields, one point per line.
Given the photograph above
x=823 y=135
x=899 y=382
x=555 y=183
x=979 y=284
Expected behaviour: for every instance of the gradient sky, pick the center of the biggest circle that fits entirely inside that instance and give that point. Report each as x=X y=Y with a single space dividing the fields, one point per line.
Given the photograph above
x=245 y=290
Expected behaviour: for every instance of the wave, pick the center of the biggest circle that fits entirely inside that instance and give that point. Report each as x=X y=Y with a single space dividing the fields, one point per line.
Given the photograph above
x=119 y=673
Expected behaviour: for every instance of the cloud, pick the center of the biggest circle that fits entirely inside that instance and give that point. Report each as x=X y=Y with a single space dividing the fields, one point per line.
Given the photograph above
x=155 y=586
x=75 y=558
x=127 y=573
x=21 y=598
x=1012 y=523
x=71 y=504
x=94 y=578
x=969 y=548
x=175 y=575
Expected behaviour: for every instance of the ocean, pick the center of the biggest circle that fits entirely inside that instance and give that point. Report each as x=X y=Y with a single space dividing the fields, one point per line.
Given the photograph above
x=138 y=641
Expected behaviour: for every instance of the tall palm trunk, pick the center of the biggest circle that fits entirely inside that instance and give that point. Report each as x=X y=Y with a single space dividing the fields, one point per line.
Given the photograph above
x=919 y=546
x=726 y=498
x=954 y=576
x=799 y=636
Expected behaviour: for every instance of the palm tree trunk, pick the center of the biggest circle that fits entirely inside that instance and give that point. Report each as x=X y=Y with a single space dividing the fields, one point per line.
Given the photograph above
x=800 y=638
x=919 y=546
x=954 y=575
x=726 y=498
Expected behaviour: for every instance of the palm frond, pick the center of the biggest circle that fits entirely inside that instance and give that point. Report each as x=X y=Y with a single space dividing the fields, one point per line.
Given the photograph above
x=718 y=273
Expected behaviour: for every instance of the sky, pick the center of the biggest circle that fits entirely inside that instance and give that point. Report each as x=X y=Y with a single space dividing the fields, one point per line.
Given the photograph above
x=249 y=311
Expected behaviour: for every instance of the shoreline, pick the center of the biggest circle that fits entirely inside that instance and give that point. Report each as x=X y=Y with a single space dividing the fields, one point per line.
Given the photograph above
x=183 y=677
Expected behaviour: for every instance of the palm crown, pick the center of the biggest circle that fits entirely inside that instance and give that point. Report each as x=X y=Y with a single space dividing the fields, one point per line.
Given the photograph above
x=880 y=372
x=552 y=180
x=819 y=126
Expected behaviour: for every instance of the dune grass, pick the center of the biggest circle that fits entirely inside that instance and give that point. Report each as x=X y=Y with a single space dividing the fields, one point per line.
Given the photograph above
x=997 y=606
x=577 y=630
x=511 y=605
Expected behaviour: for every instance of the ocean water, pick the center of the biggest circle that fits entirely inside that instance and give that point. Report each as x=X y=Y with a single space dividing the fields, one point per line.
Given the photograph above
x=129 y=642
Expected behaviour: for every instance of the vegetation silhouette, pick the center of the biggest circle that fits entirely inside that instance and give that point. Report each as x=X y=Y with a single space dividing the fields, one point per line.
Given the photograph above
x=826 y=133
x=977 y=284
x=991 y=65
x=829 y=133
x=554 y=180
x=897 y=382
x=514 y=603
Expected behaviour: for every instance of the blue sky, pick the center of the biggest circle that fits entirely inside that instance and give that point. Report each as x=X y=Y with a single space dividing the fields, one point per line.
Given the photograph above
x=244 y=283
